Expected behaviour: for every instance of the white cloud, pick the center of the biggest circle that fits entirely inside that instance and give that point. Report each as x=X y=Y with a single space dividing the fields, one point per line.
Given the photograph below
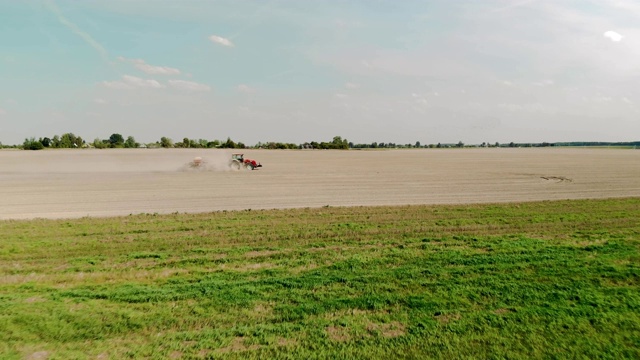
x=189 y=85
x=131 y=82
x=158 y=70
x=347 y=24
x=419 y=99
x=143 y=83
x=602 y=99
x=245 y=89
x=151 y=69
x=220 y=40
x=530 y=108
x=544 y=83
x=630 y=6
x=281 y=73
x=117 y=85
x=613 y=36
x=351 y=85
x=511 y=5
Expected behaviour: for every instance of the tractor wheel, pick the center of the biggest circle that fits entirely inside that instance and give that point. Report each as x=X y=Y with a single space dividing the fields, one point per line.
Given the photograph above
x=249 y=167
x=235 y=165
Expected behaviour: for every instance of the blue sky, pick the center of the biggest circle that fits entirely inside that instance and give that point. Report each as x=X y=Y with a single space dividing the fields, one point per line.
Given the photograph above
x=283 y=70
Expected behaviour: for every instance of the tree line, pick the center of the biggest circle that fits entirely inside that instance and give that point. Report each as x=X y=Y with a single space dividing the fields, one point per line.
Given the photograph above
x=70 y=141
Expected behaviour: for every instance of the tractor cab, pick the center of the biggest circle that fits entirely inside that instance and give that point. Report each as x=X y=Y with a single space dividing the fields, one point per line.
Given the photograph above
x=238 y=157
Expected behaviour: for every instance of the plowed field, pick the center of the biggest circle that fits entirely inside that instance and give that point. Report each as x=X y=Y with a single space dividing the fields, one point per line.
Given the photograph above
x=78 y=183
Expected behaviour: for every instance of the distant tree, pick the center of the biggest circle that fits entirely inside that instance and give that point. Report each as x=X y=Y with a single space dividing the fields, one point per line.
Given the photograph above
x=512 y=144
x=418 y=145
x=46 y=142
x=68 y=140
x=55 y=141
x=339 y=143
x=116 y=140
x=439 y=145
x=229 y=144
x=99 y=144
x=460 y=144
x=165 y=142
x=497 y=144
x=32 y=144
x=131 y=142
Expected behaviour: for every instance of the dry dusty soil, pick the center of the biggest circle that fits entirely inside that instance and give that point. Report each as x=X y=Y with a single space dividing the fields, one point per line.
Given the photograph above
x=77 y=183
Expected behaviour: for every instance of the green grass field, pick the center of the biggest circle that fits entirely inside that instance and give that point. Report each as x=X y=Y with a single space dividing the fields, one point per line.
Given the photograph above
x=538 y=280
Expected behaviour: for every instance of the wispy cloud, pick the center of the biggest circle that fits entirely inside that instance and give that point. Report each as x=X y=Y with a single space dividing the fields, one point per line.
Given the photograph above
x=246 y=89
x=281 y=73
x=189 y=85
x=512 y=4
x=116 y=85
x=157 y=70
x=151 y=69
x=613 y=36
x=630 y=6
x=76 y=30
x=351 y=85
x=132 y=82
x=220 y=40
x=144 y=83
x=544 y=83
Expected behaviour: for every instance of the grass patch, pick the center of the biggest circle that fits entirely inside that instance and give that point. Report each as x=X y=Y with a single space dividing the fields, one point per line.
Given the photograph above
x=542 y=279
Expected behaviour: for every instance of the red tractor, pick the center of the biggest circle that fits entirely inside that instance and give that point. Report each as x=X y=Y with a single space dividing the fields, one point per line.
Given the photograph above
x=238 y=161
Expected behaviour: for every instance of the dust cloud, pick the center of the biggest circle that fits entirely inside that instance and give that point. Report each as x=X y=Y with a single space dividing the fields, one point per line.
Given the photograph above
x=213 y=161
x=64 y=161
